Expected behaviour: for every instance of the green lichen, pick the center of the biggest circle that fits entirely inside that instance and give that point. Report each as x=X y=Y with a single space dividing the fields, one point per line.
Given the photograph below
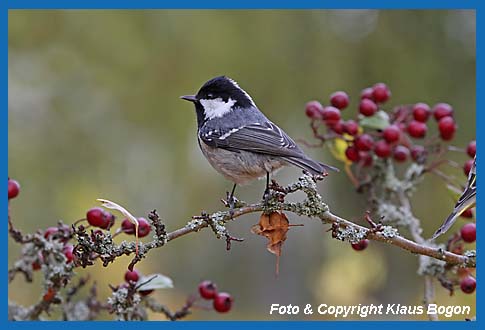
x=350 y=234
x=389 y=232
x=470 y=253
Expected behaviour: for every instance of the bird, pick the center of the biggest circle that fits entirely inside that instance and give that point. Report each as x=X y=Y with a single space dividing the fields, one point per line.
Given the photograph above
x=466 y=201
x=238 y=140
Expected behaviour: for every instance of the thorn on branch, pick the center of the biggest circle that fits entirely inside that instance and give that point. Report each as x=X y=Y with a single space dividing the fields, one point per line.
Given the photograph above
x=230 y=238
x=375 y=227
x=447 y=284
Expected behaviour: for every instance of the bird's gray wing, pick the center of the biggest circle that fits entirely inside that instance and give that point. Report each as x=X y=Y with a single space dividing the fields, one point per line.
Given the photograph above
x=265 y=138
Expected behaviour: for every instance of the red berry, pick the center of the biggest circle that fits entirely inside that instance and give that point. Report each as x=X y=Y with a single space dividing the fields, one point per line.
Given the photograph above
x=338 y=127
x=340 y=100
x=143 y=227
x=68 y=252
x=364 y=142
x=351 y=127
x=13 y=188
x=365 y=159
x=421 y=112
x=447 y=128
x=471 y=149
x=36 y=265
x=401 y=153
x=382 y=149
x=49 y=295
x=442 y=110
x=145 y=292
x=367 y=107
x=128 y=227
x=207 y=290
x=223 y=302
x=50 y=231
x=95 y=217
x=313 y=110
x=132 y=276
x=381 y=93
x=362 y=245
x=331 y=115
x=352 y=154
x=367 y=94
x=468 y=213
x=468 y=284
x=417 y=129
x=469 y=232
x=391 y=133
x=98 y=217
x=417 y=152
x=468 y=166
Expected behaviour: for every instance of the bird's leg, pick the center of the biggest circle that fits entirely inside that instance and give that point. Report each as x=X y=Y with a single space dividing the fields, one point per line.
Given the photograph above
x=231 y=200
x=266 y=191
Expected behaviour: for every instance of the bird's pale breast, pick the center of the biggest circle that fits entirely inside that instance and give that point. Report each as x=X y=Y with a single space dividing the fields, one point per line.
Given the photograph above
x=242 y=166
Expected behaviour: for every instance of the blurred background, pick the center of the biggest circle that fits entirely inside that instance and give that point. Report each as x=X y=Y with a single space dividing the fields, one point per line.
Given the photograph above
x=94 y=113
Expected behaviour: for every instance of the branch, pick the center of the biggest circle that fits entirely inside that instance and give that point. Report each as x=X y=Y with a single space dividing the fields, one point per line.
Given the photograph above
x=330 y=218
x=314 y=207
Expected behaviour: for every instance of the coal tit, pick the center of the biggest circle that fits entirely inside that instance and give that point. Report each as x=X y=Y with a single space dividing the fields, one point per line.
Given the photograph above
x=238 y=140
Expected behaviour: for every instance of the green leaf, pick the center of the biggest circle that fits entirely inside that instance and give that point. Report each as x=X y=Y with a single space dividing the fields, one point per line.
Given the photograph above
x=379 y=120
x=153 y=282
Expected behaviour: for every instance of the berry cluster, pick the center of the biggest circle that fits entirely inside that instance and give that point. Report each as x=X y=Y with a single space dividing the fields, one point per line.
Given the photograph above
x=466 y=280
x=134 y=282
x=375 y=132
x=222 y=301
x=97 y=217
x=373 y=137
x=468 y=234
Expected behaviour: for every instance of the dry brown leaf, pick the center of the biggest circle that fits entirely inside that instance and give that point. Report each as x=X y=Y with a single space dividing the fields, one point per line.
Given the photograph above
x=274 y=227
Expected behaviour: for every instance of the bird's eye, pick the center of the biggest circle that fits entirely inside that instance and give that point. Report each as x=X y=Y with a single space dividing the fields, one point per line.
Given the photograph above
x=210 y=95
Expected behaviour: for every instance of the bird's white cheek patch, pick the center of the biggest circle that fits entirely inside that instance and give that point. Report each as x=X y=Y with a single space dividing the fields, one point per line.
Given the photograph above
x=217 y=107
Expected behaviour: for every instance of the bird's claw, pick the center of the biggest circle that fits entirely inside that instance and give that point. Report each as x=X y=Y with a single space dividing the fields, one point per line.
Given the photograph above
x=266 y=196
x=231 y=201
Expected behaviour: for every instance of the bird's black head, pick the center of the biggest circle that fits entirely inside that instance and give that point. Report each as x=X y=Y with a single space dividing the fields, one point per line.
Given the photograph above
x=225 y=88
x=217 y=97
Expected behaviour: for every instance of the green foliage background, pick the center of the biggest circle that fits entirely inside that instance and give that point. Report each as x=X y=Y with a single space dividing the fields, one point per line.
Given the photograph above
x=94 y=112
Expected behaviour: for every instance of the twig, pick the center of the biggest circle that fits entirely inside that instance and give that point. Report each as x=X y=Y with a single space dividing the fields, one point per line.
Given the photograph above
x=156 y=307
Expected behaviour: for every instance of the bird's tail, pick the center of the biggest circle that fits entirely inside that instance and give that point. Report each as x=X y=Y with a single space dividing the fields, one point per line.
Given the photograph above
x=308 y=164
x=464 y=204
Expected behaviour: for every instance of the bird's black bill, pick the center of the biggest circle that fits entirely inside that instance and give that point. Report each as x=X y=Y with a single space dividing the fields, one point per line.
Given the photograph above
x=190 y=98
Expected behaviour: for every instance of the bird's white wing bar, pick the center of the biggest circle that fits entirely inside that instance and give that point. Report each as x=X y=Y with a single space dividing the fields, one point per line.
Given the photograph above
x=264 y=138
